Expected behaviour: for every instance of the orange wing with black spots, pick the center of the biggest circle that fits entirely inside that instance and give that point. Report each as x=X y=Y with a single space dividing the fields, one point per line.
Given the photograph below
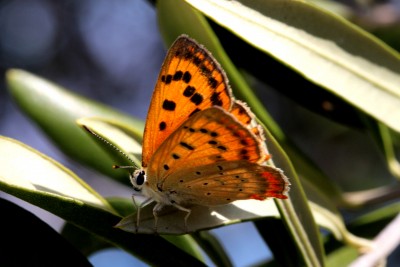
x=200 y=145
x=213 y=148
x=242 y=112
x=226 y=182
x=190 y=81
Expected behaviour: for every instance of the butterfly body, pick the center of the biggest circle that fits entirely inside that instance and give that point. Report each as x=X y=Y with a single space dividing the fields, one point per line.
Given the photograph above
x=200 y=145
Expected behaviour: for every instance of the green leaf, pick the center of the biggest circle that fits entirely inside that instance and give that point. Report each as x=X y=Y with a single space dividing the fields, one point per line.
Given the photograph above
x=55 y=110
x=187 y=244
x=365 y=224
x=39 y=180
x=124 y=206
x=389 y=149
x=334 y=7
x=297 y=212
x=26 y=169
x=332 y=53
x=343 y=256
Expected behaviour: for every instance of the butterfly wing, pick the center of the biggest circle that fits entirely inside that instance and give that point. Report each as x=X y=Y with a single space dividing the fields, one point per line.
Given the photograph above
x=190 y=81
x=210 y=138
x=224 y=182
x=244 y=115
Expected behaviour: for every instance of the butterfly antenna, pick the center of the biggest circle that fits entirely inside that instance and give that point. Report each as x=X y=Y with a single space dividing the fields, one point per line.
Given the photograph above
x=134 y=166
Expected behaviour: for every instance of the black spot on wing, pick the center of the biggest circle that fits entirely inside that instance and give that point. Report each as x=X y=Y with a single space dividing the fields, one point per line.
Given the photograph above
x=196 y=99
x=169 y=105
x=176 y=156
x=215 y=99
x=167 y=79
x=162 y=126
x=205 y=70
x=214 y=134
x=244 y=154
x=244 y=142
x=212 y=82
x=223 y=148
x=186 y=77
x=189 y=91
x=186 y=145
x=197 y=61
x=177 y=76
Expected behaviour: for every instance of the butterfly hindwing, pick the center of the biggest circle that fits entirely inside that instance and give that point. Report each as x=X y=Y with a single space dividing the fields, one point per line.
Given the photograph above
x=224 y=182
x=190 y=81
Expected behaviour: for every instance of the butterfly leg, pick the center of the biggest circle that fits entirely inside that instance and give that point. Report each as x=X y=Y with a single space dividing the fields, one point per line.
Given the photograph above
x=188 y=211
x=139 y=207
x=158 y=207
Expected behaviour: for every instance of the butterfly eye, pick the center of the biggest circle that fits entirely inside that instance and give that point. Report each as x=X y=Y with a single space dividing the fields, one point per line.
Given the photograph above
x=140 y=178
x=137 y=179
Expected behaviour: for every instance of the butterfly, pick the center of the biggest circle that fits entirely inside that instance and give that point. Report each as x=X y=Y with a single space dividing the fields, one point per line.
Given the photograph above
x=200 y=145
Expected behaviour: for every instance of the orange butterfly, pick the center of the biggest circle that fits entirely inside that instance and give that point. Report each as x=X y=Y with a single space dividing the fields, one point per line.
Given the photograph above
x=200 y=145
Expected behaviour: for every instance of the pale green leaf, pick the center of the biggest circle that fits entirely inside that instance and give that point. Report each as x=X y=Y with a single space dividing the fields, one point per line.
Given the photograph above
x=323 y=47
x=24 y=168
x=31 y=176
x=55 y=110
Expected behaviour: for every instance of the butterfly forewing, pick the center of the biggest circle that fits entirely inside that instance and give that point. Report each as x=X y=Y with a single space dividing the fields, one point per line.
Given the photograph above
x=190 y=81
x=242 y=112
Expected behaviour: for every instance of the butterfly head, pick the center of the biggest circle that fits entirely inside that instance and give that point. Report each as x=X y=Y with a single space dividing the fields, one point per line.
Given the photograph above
x=138 y=179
